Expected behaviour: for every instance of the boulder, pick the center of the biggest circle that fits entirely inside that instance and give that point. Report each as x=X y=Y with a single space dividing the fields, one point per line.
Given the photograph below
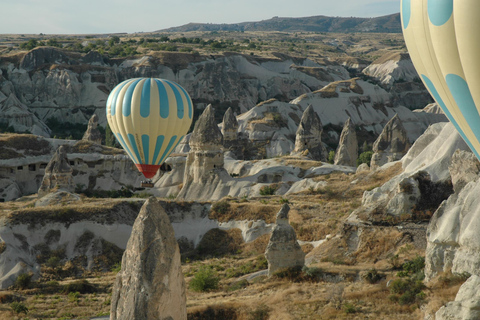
x=150 y=285
x=58 y=174
x=308 y=137
x=283 y=250
x=363 y=168
x=93 y=133
x=347 y=151
x=463 y=169
x=466 y=305
x=391 y=145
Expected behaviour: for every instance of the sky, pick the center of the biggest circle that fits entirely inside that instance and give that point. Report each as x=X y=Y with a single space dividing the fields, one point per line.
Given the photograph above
x=108 y=16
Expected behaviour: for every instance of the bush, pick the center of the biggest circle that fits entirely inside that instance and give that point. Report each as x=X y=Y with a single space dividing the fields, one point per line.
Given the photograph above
x=413 y=268
x=260 y=313
x=23 y=281
x=365 y=157
x=18 y=307
x=331 y=156
x=81 y=286
x=268 y=190
x=373 y=276
x=349 y=308
x=221 y=207
x=205 y=279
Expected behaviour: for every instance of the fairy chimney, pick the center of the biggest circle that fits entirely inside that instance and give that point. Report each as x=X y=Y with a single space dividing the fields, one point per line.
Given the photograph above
x=58 y=174
x=92 y=133
x=308 y=139
x=347 y=151
x=283 y=250
x=391 y=145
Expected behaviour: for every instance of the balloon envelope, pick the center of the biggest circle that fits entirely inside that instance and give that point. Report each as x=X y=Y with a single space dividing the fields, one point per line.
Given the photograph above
x=149 y=117
x=443 y=39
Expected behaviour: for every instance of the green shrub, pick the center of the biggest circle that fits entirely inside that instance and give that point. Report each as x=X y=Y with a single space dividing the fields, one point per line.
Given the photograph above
x=413 y=268
x=331 y=156
x=53 y=262
x=81 y=286
x=73 y=296
x=365 y=157
x=117 y=267
x=23 y=281
x=372 y=276
x=18 y=307
x=221 y=207
x=349 y=308
x=205 y=279
x=268 y=190
x=260 y=313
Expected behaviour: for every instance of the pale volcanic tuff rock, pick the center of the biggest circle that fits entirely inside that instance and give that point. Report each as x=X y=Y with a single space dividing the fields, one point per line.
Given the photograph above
x=54 y=83
x=283 y=250
x=392 y=67
x=204 y=171
x=231 y=141
x=425 y=169
x=93 y=133
x=391 y=145
x=309 y=136
x=15 y=114
x=464 y=168
x=58 y=174
x=150 y=285
x=347 y=151
x=466 y=305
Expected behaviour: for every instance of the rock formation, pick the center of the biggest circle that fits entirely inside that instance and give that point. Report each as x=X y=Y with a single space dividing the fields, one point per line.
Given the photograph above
x=93 y=133
x=391 y=145
x=463 y=169
x=230 y=134
x=309 y=136
x=347 y=151
x=204 y=167
x=392 y=67
x=150 y=285
x=283 y=250
x=466 y=305
x=15 y=114
x=58 y=174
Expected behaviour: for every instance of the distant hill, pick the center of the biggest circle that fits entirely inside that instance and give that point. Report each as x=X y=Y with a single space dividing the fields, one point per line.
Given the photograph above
x=388 y=24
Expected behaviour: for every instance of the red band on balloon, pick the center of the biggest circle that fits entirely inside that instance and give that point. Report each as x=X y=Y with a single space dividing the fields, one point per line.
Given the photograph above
x=148 y=170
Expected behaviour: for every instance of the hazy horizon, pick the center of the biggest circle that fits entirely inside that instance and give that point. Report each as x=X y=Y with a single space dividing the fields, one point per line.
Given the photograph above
x=107 y=16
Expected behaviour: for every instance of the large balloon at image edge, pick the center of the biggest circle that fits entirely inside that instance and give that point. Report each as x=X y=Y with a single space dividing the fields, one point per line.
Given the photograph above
x=443 y=39
x=149 y=117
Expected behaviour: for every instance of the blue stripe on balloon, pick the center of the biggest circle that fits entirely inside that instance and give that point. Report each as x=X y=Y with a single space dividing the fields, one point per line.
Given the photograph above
x=146 y=147
x=190 y=107
x=127 y=99
x=158 y=146
x=463 y=97
x=440 y=11
x=131 y=138
x=447 y=112
x=145 y=99
x=406 y=13
x=124 y=145
x=168 y=150
x=164 y=106
x=178 y=97
x=115 y=96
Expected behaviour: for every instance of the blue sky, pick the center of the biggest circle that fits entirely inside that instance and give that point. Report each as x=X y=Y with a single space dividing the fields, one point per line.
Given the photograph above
x=107 y=16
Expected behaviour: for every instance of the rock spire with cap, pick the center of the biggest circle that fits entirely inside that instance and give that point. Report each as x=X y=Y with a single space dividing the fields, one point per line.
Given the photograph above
x=347 y=151
x=58 y=174
x=309 y=136
x=92 y=133
x=283 y=250
x=391 y=145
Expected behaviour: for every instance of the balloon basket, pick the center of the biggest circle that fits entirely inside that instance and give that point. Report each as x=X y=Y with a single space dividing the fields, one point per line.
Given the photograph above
x=146 y=184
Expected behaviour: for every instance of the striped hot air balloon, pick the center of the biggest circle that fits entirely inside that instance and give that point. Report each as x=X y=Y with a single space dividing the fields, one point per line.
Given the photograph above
x=443 y=39
x=149 y=117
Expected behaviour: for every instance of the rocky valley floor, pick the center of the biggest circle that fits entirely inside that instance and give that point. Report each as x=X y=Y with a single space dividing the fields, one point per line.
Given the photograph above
x=352 y=271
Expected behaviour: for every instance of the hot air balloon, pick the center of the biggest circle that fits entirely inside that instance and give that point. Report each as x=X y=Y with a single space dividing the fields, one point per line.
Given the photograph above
x=443 y=39
x=149 y=117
